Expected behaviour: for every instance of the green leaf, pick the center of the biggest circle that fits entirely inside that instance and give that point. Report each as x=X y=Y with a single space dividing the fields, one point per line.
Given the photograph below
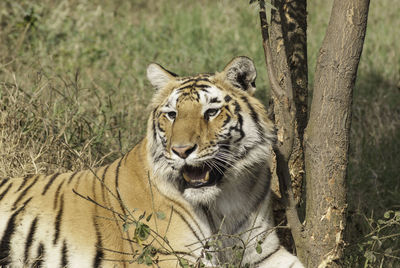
x=183 y=263
x=388 y=251
x=397 y=215
x=152 y=251
x=149 y=217
x=125 y=226
x=142 y=231
x=387 y=214
x=148 y=260
x=142 y=216
x=208 y=256
x=140 y=260
x=259 y=248
x=370 y=256
x=160 y=215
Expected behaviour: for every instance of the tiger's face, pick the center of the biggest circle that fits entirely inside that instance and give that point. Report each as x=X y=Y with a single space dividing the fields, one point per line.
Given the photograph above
x=207 y=130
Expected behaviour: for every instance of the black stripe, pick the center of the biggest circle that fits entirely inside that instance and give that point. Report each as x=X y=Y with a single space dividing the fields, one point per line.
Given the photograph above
x=201 y=86
x=46 y=188
x=215 y=100
x=185 y=87
x=4 y=181
x=227 y=98
x=159 y=127
x=154 y=125
x=95 y=178
x=188 y=224
x=5 y=191
x=254 y=116
x=202 y=79
x=227 y=120
x=23 y=193
x=171 y=73
x=267 y=256
x=181 y=215
x=239 y=127
x=197 y=95
x=117 y=186
x=5 y=244
x=72 y=176
x=29 y=239
x=24 y=181
x=158 y=157
x=187 y=81
x=78 y=179
x=237 y=107
x=104 y=173
x=57 y=224
x=40 y=256
x=64 y=255
x=99 y=247
x=57 y=194
x=194 y=80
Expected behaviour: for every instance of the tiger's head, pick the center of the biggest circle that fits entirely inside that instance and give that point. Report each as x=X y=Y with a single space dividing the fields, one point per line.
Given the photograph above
x=207 y=132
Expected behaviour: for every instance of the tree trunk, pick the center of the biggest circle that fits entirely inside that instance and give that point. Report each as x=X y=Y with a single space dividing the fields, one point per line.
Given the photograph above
x=319 y=242
x=326 y=138
x=289 y=57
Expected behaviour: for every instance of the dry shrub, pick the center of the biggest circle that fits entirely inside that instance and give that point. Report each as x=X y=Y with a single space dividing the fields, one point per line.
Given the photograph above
x=35 y=140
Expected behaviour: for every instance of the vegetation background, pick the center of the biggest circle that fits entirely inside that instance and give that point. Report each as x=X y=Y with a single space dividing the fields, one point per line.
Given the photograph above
x=73 y=90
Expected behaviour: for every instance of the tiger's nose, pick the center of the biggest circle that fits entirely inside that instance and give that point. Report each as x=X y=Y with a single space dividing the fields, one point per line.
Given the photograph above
x=183 y=151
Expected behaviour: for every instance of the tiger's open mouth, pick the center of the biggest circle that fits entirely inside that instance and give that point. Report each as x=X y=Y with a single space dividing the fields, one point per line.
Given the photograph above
x=201 y=176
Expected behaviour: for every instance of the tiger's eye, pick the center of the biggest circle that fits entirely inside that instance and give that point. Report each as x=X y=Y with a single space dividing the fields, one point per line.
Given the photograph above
x=171 y=115
x=210 y=113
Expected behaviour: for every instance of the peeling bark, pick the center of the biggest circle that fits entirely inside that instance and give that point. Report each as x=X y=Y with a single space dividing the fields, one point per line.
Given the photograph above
x=327 y=134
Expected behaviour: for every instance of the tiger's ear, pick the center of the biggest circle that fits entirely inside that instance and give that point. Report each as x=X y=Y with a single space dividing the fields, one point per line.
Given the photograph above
x=241 y=73
x=158 y=76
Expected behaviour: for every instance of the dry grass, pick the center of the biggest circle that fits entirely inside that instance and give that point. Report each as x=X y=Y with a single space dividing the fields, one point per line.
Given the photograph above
x=72 y=82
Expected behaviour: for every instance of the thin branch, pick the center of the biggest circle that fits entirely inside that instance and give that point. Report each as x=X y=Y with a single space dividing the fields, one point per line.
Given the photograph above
x=285 y=187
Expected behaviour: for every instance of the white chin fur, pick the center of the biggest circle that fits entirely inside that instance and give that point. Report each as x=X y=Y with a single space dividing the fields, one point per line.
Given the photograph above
x=203 y=196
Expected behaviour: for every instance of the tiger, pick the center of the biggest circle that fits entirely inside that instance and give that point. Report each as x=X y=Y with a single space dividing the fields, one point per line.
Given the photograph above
x=194 y=192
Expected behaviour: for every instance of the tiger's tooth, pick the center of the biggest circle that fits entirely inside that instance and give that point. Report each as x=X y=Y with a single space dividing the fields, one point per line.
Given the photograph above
x=186 y=177
x=207 y=177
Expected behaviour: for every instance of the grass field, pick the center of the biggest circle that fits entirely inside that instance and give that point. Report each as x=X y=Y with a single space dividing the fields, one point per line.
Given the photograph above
x=73 y=90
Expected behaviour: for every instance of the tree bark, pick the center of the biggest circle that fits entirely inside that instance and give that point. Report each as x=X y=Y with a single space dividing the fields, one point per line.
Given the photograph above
x=289 y=53
x=319 y=242
x=289 y=59
x=327 y=134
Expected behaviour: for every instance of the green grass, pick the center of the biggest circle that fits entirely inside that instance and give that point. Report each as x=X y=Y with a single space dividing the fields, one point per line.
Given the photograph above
x=73 y=72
